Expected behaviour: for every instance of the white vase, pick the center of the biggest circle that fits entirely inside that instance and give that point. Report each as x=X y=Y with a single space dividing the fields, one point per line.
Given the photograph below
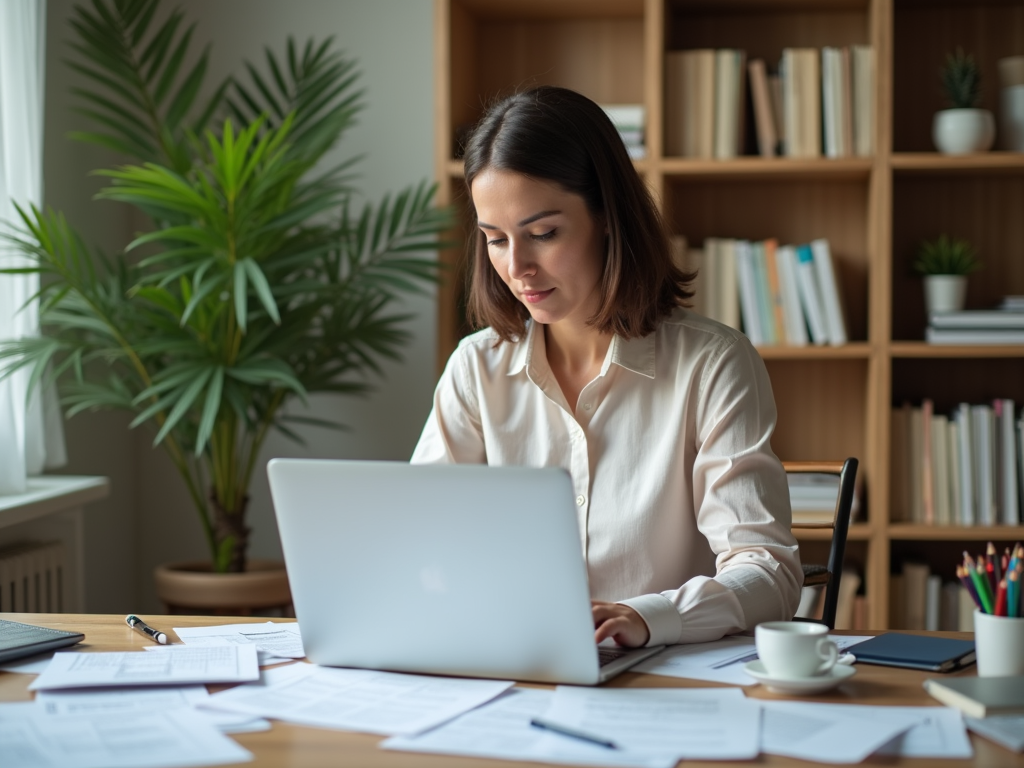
x=1011 y=118
x=962 y=131
x=944 y=293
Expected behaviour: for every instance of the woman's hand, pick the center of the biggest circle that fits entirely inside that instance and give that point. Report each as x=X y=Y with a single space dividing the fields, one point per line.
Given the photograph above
x=619 y=622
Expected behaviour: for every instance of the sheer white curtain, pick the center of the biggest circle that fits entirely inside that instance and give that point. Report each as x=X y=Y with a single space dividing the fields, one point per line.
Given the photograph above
x=31 y=438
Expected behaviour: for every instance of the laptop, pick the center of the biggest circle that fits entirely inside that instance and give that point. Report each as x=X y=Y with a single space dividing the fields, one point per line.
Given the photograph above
x=459 y=569
x=19 y=640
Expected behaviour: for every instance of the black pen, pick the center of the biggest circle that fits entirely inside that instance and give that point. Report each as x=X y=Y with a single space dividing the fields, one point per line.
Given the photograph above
x=564 y=731
x=138 y=624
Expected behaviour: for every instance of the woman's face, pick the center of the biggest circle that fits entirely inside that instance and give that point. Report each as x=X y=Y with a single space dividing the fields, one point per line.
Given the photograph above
x=544 y=243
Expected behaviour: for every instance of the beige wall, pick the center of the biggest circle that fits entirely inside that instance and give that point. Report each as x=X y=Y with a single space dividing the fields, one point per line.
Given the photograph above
x=148 y=518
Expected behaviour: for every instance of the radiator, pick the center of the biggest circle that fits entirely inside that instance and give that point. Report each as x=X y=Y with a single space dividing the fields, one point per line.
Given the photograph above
x=31 y=577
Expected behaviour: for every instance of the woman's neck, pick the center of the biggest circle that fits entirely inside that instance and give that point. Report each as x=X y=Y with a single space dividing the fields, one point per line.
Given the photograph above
x=575 y=357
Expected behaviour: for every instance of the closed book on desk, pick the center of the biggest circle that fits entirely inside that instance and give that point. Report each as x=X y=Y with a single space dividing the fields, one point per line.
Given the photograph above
x=980 y=696
x=895 y=649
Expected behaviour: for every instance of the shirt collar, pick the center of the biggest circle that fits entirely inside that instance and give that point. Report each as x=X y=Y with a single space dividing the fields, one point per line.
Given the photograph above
x=635 y=355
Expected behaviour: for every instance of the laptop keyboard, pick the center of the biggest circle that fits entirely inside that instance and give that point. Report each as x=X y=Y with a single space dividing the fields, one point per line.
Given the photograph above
x=608 y=655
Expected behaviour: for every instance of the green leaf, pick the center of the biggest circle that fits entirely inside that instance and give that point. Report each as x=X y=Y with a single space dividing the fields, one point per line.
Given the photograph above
x=259 y=282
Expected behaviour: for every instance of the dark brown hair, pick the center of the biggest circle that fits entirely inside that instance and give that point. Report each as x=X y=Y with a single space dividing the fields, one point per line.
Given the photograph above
x=561 y=136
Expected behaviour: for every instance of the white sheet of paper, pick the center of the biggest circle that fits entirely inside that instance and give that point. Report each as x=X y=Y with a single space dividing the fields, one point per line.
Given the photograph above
x=107 y=701
x=829 y=733
x=1007 y=730
x=686 y=723
x=176 y=665
x=942 y=732
x=501 y=729
x=33 y=665
x=720 y=661
x=173 y=739
x=274 y=640
x=357 y=699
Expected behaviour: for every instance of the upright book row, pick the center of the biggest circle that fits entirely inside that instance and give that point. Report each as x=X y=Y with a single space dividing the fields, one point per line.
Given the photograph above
x=776 y=294
x=817 y=102
x=962 y=468
x=920 y=599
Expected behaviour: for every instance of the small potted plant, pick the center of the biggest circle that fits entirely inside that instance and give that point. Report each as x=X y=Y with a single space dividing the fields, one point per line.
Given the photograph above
x=963 y=128
x=945 y=263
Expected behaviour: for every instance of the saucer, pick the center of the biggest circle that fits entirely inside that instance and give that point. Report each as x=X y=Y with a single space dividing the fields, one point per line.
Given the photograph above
x=817 y=684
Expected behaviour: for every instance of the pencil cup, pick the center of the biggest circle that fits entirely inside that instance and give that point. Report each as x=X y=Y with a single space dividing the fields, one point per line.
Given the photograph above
x=999 y=643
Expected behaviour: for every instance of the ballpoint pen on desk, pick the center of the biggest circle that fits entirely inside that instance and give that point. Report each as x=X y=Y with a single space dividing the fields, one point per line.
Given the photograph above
x=139 y=625
x=572 y=733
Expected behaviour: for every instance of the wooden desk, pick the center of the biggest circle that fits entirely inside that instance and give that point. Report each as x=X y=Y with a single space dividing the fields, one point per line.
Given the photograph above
x=298 y=747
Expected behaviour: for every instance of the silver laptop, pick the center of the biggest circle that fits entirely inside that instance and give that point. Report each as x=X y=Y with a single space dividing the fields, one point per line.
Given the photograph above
x=444 y=569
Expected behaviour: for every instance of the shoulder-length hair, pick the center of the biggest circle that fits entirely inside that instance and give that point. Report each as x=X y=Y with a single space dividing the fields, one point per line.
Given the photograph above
x=561 y=136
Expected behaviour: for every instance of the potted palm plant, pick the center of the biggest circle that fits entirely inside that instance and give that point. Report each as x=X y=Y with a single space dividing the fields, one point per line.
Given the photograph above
x=945 y=263
x=963 y=127
x=255 y=284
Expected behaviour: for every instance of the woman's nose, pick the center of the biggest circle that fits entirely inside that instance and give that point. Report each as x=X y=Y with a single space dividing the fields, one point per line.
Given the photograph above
x=520 y=263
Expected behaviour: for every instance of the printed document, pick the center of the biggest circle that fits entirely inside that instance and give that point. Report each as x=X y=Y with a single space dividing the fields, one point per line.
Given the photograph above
x=720 y=661
x=357 y=699
x=501 y=729
x=116 y=700
x=685 y=723
x=30 y=738
x=174 y=665
x=275 y=641
x=830 y=733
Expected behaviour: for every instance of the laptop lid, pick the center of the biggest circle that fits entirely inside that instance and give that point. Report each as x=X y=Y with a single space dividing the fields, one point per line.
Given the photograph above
x=445 y=569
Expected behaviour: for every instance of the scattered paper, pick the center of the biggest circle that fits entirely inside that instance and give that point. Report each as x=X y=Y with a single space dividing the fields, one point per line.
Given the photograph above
x=175 y=738
x=829 y=733
x=176 y=665
x=357 y=699
x=1007 y=730
x=274 y=640
x=940 y=731
x=32 y=665
x=684 y=723
x=501 y=729
x=720 y=661
x=114 y=701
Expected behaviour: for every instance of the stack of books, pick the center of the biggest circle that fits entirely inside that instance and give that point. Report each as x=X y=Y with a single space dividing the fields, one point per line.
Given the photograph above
x=814 y=496
x=629 y=121
x=921 y=599
x=705 y=93
x=776 y=294
x=1002 y=325
x=962 y=468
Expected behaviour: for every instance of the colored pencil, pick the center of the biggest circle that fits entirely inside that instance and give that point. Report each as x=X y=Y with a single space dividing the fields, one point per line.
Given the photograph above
x=1000 y=599
x=992 y=558
x=965 y=580
x=1013 y=595
x=981 y=584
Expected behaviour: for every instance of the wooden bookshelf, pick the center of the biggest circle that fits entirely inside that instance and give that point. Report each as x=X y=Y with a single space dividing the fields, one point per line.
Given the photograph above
x=833 y=402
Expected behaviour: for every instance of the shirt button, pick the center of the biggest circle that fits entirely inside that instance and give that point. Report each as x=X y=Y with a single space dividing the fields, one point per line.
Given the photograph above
x=581 y=500
x=586 y=406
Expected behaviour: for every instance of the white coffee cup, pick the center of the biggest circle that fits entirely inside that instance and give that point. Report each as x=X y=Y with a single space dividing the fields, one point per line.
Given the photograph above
x=795 y=649
x=999 y=643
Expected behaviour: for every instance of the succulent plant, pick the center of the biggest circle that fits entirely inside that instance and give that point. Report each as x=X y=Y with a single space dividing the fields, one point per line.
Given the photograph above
x=946 y=256
x=961 y=80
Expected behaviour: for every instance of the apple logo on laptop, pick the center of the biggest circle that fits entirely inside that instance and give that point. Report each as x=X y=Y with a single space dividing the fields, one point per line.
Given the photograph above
x=432 y=579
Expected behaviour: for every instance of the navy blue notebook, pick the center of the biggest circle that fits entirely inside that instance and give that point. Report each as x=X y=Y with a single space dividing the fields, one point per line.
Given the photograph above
x=895 y=649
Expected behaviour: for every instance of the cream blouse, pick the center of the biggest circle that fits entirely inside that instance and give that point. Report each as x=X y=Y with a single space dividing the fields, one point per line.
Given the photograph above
x=683 y=508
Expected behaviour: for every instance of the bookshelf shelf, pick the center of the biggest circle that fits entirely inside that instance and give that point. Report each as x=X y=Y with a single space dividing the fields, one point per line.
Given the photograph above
x=833 y=402
x=905 y=532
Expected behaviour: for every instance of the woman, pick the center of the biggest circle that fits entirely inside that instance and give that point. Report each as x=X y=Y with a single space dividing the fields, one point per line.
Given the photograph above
x=591 y=362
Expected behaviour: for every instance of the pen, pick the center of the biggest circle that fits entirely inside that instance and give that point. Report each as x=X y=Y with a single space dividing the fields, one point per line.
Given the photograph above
x=138 y=624
x=564 y=731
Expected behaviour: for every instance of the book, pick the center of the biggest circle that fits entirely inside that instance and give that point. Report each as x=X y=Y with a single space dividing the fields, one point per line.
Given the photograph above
x=862 y=87
x=979 y=696
x=810 y=294
x=989 y=319
x=749 y=309
x=801 y=92
x=932 y=602
x=765 y=304
x=849 y=583
x=916 y=448
x=760 y=96
x=1006 y=461
x=927 y=467
x=897 y=649
x=974 y=335
x=915 y=585
x=770 y=249
x=813 y=497
x=729 y=100
x=792 y=312
x=983 y=446
x=940 y=469
x=956 y=513
x=698 y=103
x=831 y=302
x=965 y=430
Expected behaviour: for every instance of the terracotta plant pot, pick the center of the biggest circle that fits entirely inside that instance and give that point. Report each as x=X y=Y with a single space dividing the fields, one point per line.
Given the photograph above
x=193 y=587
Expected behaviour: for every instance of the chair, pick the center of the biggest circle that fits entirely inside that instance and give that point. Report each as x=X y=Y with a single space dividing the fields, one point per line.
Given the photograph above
x=830 y=574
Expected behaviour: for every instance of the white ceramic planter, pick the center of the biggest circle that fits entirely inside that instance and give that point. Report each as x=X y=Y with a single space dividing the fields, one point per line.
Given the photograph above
x=962 y=131
x=944 y=293
x=1011 y=118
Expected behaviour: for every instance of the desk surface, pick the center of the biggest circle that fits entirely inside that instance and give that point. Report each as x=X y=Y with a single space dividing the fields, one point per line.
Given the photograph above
x=300 y=747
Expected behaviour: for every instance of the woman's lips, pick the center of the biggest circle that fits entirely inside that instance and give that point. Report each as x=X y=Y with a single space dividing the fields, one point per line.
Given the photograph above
x=533 y=297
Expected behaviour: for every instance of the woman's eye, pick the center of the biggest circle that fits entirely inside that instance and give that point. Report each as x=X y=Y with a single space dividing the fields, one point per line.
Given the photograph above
x=544 y=235
x=495 y=242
